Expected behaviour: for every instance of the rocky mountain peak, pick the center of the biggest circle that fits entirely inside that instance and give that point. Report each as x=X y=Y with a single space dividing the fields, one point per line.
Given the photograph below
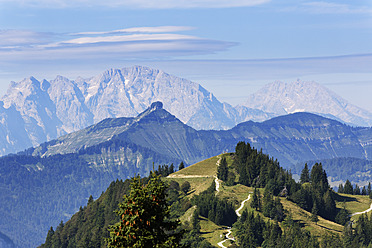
x=307 y=96
x=156 y=105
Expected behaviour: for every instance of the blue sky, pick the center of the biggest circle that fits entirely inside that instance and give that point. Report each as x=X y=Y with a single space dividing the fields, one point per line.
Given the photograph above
x=230 y=47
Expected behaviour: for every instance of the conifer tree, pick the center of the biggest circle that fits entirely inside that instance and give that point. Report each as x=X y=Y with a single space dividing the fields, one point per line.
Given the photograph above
x=364 y=191
x=196 y=222
x=340 y=188
x=356 y=189
x=348 y=187
x=181 y=166
x=305 y=176
x=171 y=169
x=314 y=213
x=222 y=170
x=255 y=200
x=143 y=217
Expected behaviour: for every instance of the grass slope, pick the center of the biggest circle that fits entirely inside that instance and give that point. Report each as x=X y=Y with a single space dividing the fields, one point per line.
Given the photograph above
x=201 y=175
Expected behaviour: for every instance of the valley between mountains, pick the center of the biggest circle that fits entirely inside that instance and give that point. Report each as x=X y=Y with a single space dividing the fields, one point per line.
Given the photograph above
x=64 y=142
x=57 y=177
x=33 y=111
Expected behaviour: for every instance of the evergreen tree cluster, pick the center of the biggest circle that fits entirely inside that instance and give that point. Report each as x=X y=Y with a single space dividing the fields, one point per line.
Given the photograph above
x=348 y=188
x=256 y=169
x=316 y=196
x=272 y=208
x=192 y=238
x=220 y=211
x=225 y=173
x=88 y=227
x=342 y=168
x=252 y=231
x=361 y=235
x=222 y=170
x=165 y=170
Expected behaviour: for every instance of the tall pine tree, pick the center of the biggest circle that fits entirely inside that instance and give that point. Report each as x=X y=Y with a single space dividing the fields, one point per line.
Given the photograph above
x=305 y=175
x=222 y=170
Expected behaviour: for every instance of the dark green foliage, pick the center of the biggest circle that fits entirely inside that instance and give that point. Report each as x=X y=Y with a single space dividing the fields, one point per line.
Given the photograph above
x=195 y=222
x=256 y=169
x=348 y=188
x=314 y=213
x=305 y=176
x=318 y=178
x=272 y=208
x=222 y=170
x=340 y=169
x=342 y=216
x=185 y=187
x=294 y=236
x=361 y=235
x=331 y=241
x=356 y=190
x=165 y=170
x=88 y=227
x=340 y=188
x=250 y=230
x=181 y=166
x=219 y=211
x=317 y=193
x=364 y=191
x=53 y=188
x=144 y=217
x=192 y=240
x=256 y=200
x=230 y=178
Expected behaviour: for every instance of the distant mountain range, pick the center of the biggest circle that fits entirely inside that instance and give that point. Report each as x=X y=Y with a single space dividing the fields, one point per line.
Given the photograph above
x=32 y=111
x=282 y=98
x=291 y=139
x=43 y=185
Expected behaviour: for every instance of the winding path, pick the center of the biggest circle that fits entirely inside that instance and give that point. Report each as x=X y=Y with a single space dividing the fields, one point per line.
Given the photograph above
x=365 y=211
x=220 y=244
x=217 y=182
x=242 y=205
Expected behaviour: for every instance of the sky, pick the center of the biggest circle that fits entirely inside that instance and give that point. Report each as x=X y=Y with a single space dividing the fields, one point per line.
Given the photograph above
x=231 y=47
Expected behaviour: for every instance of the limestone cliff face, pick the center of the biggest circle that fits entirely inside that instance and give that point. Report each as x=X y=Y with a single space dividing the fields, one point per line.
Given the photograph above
x=49 y=109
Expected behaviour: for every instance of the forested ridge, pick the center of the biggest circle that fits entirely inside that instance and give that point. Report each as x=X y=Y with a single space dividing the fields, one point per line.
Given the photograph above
x=264 y=224
x=53 y=188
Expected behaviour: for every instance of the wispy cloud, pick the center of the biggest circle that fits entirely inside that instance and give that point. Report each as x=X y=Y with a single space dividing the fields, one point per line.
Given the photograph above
x=161 y=29
x=139 y=42
x=143 y=4
x=336 y=8
x=12 y=38
x=328 y=7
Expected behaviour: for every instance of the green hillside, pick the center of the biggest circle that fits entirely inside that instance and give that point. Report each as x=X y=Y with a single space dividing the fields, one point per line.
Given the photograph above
x=281 y=218
x=200 y=174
